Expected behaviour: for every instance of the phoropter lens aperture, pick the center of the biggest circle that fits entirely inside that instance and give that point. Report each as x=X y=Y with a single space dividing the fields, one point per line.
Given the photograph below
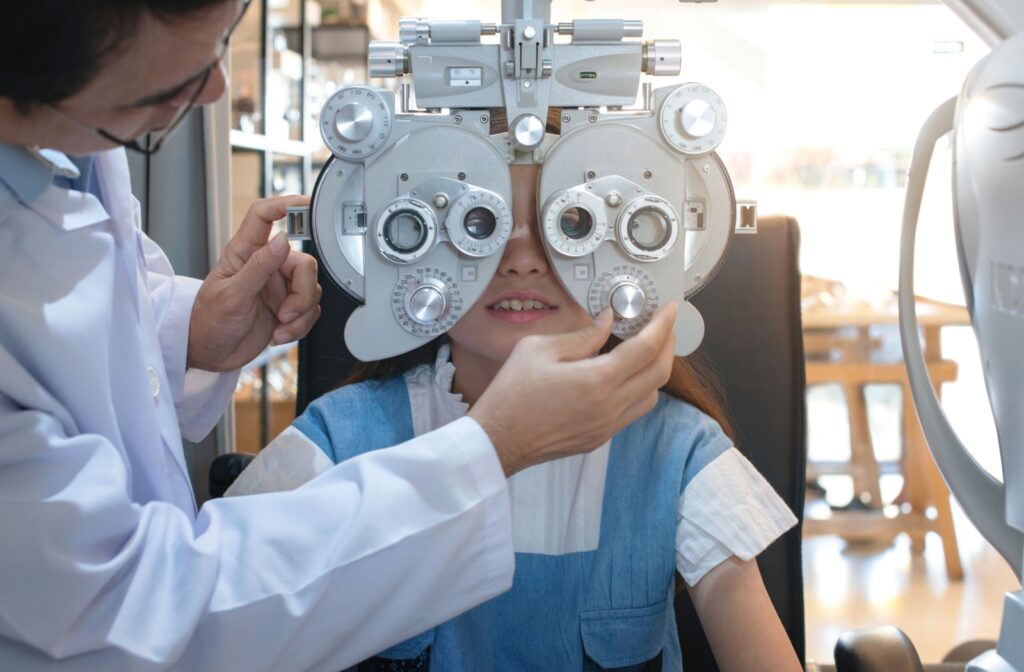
x=480 y=223
x=649 y=229
x=576 y=223
x=405 y=231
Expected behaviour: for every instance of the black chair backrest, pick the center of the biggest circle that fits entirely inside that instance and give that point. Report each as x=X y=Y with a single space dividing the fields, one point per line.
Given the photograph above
x=753 y=340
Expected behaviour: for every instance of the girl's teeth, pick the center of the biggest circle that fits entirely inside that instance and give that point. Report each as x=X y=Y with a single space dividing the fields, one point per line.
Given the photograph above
x=520 y=305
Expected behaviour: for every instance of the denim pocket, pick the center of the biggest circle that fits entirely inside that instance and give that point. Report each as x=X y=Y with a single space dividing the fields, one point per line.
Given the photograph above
x=624 y=639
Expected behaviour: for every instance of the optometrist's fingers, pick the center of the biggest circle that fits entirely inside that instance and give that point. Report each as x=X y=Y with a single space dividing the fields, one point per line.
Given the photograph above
x=303 y=290
x=654 y=375
x=638 y=352
x=274 y=293
x=297 y=328
x=254 y=230
x=259 y=268
x=579 y=344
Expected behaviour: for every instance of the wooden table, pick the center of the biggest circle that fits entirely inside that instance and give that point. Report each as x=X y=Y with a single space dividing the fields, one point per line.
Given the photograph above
x=840 y=350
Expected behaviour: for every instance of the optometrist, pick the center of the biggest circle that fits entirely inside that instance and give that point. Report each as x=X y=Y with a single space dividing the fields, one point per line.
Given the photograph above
x=107 y=359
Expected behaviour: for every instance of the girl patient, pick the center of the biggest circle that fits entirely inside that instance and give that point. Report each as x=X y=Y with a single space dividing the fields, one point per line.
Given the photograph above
x=599 y=538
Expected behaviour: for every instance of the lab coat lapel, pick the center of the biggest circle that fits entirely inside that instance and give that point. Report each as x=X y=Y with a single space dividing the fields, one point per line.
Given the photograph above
x=115 y=183
x=125 y=217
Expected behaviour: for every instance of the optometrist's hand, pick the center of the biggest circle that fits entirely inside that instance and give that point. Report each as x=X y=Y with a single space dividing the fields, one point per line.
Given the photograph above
x=260 y=292
x=553 y=398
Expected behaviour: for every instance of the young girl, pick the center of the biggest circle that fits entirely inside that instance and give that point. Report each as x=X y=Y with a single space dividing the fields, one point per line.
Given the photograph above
x=599 y=538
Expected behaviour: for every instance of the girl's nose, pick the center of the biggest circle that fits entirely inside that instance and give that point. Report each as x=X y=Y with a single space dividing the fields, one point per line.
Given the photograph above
x=524 y=252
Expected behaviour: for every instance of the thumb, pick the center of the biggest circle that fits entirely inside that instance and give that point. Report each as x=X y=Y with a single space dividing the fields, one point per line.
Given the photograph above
x=584 y=342
x=256 y=225
x=266 y=261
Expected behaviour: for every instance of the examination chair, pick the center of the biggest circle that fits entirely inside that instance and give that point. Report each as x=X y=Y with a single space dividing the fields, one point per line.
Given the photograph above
x=753 y=341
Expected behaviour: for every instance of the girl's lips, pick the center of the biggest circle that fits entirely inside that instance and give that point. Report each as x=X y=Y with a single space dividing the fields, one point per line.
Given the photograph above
x=520 y=316
x=521 y=296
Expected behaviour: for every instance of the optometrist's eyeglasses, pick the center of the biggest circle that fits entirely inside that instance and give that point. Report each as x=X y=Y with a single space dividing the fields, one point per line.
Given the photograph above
x=150 y=143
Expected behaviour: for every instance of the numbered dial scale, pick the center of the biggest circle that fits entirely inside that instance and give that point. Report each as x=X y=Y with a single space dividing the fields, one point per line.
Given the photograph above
x=355 y=122
x=575 y=222
x=630 y=292
x=427 y=301
x=479 y=223
x=693 y=119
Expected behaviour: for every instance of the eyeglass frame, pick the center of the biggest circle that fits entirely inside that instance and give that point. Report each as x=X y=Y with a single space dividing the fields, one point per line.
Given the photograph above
x=201 y=79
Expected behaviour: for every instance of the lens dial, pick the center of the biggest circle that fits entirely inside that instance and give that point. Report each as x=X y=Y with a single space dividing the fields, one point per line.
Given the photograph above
x=630 y=292
x=648 y=228
x=427 y=301
x=479 y=223
x=575 y=222
x=355 y=122
x=406 y=230
x=693 y=119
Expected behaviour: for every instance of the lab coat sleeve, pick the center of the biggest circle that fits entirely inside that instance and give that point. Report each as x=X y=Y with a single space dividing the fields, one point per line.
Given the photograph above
x=200 y=397
x=371 y=552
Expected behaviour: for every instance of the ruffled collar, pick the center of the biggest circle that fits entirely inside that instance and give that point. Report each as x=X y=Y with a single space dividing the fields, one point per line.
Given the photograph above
x=443 y=379
x=430 y=393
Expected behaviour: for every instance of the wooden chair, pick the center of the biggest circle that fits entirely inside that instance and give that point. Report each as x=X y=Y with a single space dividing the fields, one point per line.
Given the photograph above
x=840 y=350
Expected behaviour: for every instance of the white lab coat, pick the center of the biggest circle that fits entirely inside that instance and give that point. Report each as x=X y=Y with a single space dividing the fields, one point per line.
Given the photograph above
x=105 y=563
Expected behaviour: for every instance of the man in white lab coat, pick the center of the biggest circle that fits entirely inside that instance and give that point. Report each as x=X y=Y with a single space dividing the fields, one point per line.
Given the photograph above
x=107 y=359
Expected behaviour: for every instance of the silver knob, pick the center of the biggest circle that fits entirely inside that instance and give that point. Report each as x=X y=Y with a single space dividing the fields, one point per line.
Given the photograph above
x=388 y=59
x=413 y=30
x=354 y=122
x=427 y=304
x=528 y=132
x=663 y=57
x=627 y=300
x=698 y=118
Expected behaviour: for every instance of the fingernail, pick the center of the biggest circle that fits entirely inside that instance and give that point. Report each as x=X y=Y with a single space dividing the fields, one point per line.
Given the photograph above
x=288 y=317
x=604 y=319
x=279 y=242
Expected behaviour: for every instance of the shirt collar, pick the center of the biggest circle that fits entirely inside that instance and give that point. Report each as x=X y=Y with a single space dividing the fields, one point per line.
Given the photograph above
x=26 y=172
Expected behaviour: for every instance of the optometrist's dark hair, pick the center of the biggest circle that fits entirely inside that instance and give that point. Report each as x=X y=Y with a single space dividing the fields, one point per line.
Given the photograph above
x=51 y=49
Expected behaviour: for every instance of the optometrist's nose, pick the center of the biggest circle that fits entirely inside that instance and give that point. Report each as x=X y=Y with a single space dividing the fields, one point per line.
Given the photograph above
x=213 y=89
x=215 y=85
x=524 y=253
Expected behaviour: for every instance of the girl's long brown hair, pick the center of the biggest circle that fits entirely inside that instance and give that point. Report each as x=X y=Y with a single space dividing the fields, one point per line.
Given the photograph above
x=693 y=379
